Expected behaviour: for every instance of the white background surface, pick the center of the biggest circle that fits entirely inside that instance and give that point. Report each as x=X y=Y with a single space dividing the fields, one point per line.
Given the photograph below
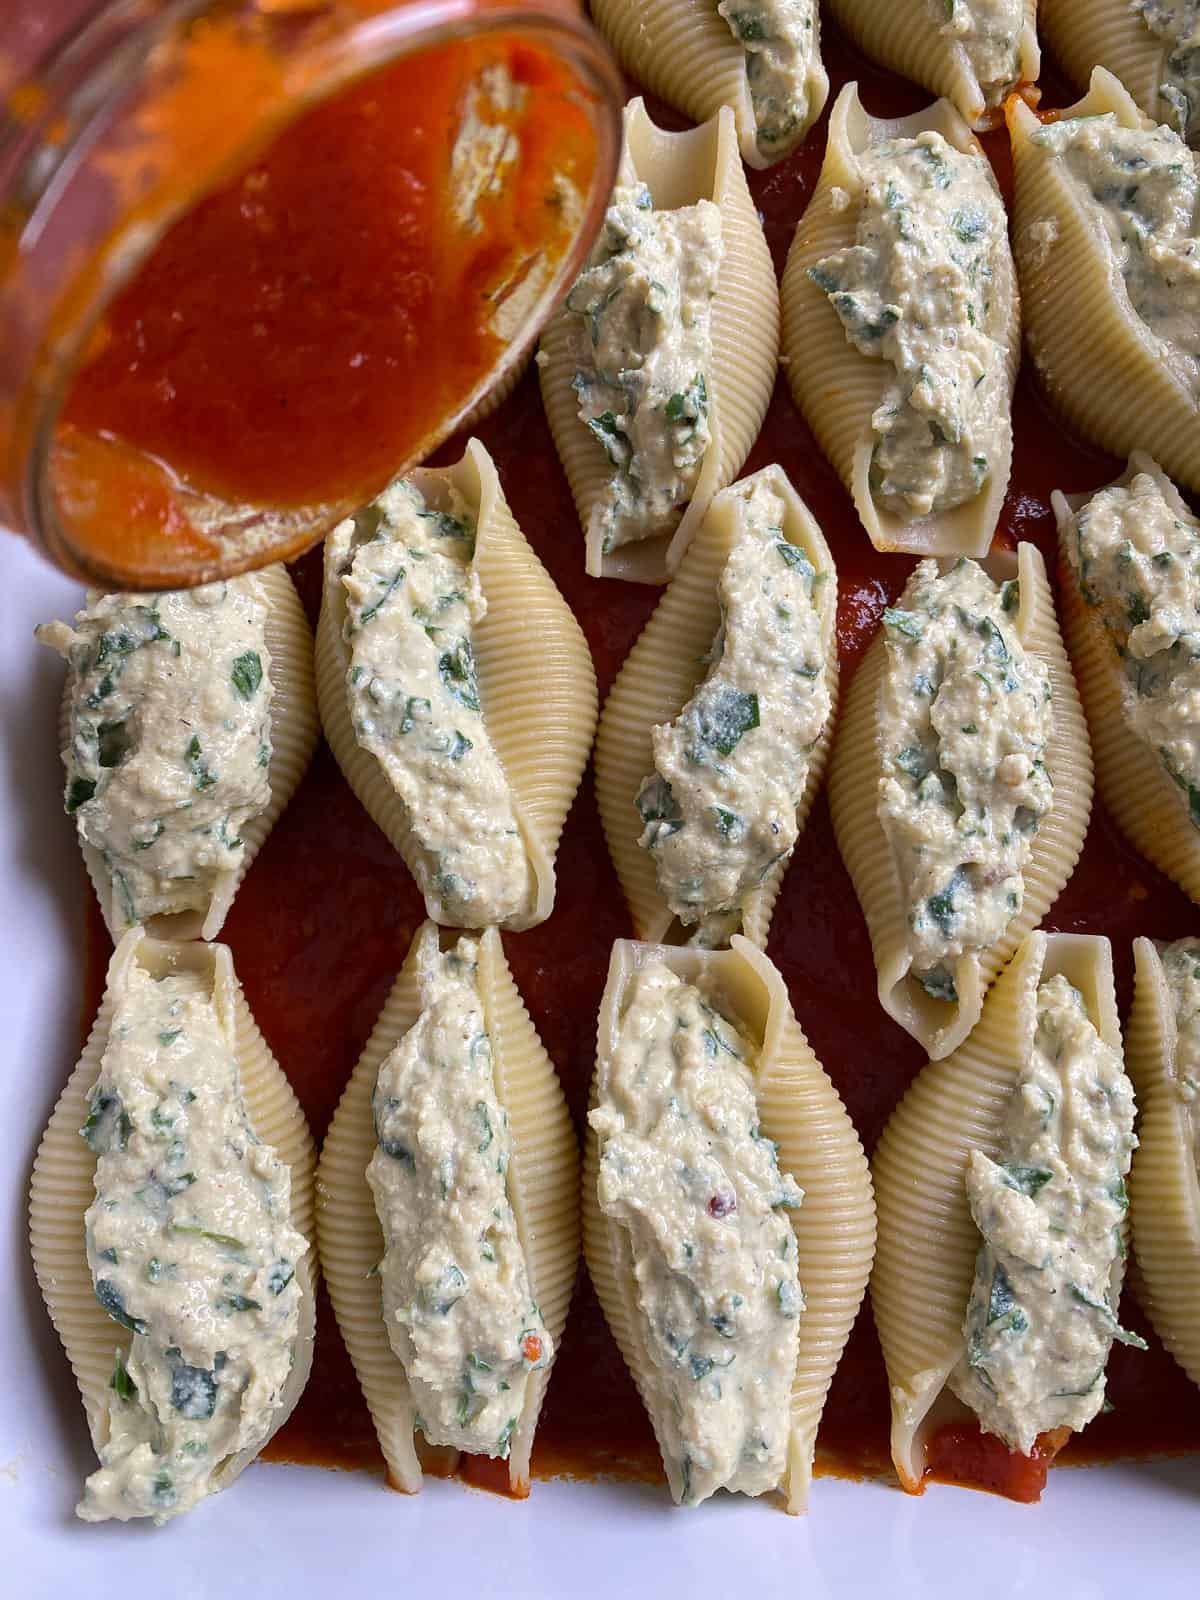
x=1125 y=1531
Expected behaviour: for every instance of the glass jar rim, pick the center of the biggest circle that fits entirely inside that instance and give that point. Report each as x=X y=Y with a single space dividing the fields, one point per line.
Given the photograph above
x=361 y=44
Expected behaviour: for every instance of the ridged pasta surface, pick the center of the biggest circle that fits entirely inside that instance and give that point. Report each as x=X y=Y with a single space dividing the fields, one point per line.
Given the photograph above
x=1164 y=1190
x=659 y=676
x=1091 y=349
x=537 y=685
x=681 y=169
x=835 y=1228
x=1146 y=804
x=685 y=51
x=904 y=35
x=1105 y=33
x=499 y=392
x=801 y=1110
x=62 y=1186
x=928 y=1241
x=543 y=1187
x=854 y=777
x=839 y=389
x=351 y=1239
x=294 y=728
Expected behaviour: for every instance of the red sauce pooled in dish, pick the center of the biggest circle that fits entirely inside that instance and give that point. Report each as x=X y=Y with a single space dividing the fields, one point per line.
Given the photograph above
x=324 y=919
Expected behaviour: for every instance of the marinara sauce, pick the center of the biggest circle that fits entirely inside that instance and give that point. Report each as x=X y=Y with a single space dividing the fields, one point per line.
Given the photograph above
x=324 y=920
x=306 y=327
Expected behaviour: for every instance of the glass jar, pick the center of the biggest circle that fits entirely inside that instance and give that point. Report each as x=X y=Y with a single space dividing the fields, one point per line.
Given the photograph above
x=258 y=256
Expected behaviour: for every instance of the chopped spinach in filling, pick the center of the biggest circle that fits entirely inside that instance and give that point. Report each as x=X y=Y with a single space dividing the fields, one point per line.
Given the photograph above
x=729 y=771
x=1041 y=1316
x=1181 y=964
x=457 y=1300
x=990 y=32
x=413 y=601
x=639 y=317
x=168 y=737
x=1138 y=564
x=1177 y=24
x=965 y=717
x=191 y=1252
x=1145 y=186
x=779 y=39
x=917 y=290
x=687 y=1173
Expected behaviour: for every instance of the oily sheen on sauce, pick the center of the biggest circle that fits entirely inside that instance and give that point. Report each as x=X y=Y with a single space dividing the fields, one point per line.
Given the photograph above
x=324 y=920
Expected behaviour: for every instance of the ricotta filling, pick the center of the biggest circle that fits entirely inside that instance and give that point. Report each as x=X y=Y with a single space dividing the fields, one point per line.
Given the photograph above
x=1177 y=24
x=720 y=806
x=1138 y=564
x=1040 y=1321
x=191 y=1251
x=1144 y=187
x=1181 y=964
x=640 y=335
x=485 y=149
x=457 y=1303
x=965 y=718
x=779 y=41
x=685 y=1171
x=168 y=737
x=990 y=33
x=413 y=600
x=917 y=290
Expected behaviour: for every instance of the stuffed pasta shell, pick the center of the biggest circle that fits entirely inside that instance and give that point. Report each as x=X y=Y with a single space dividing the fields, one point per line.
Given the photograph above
x=1163 y=1052
x=728 y=1219
x=448 y=1213
x=171 y=1240
x=762 y=58
x=456 y=691
x=495 y=397
x=657 y=371
x=1130 y=589
x=901 y=327
x=1000 y=1184
x=714 y=737
x=973 y=52
x=1106 y=233
x=1152 y=46
x=960 y=785
x=188 y=718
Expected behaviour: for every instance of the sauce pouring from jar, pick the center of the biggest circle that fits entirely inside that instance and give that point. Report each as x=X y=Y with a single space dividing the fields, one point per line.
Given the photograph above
x=322 y=316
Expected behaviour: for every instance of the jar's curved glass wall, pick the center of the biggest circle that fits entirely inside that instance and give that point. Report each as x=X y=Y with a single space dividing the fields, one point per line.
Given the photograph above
x=257 y=256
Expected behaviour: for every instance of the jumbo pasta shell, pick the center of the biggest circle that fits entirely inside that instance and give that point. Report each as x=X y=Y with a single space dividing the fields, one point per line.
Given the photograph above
x=294 y=727
x=62 y=1185
x=1107 y=33
x=837 y=387
x=905 y=36
x=543 y=1187
x=659 y=676
x=685 y=52
x=803 y=1113
x=1164 y=1186
x=854 y=775
x=1092 y=351
x=927 y=1237
x=495 y=397
x=681 y=169
x=537 y=685
x=1147 y=805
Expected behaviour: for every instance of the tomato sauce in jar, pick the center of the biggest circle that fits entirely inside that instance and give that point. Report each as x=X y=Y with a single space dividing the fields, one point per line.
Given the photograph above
x=285 y=255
